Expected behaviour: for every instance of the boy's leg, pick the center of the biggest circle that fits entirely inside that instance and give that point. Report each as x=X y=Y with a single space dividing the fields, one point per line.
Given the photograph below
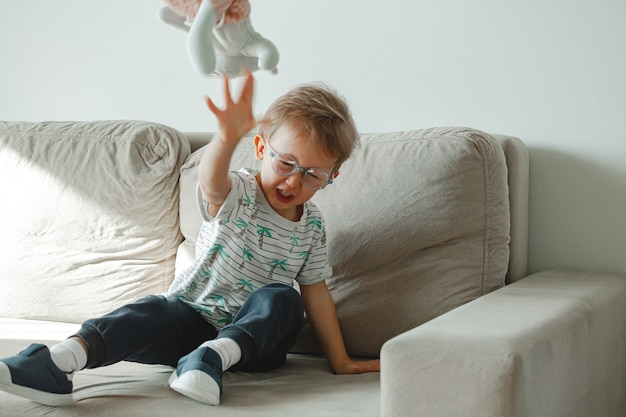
x=261 y=334
x=153 y=330
x=266 y=327
x=69 y=355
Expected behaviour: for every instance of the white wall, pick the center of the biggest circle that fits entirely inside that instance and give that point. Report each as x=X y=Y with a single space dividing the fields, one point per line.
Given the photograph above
x=552 y=72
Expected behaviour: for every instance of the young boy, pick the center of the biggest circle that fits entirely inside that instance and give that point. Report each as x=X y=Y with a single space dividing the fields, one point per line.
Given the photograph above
x=235 y=307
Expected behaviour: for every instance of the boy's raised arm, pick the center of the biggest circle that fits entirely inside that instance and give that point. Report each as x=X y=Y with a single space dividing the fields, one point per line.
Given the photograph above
x=234 y=121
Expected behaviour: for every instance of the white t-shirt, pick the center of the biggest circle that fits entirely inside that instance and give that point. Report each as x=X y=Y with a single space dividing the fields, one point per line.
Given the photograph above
x=246 y=246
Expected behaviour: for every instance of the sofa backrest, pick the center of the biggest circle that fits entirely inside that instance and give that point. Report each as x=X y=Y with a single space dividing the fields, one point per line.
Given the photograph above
x=418 y=223
x=516 y=156
x=88 y=217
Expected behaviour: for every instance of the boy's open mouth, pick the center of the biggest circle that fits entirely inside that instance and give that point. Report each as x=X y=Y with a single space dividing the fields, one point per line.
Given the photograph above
x=283 y=196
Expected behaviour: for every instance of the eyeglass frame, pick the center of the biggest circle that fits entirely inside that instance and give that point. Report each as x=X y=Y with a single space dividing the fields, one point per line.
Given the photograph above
x=297 y=168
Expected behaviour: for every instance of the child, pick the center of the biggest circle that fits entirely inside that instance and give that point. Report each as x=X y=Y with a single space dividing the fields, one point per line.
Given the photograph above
x=235 y=307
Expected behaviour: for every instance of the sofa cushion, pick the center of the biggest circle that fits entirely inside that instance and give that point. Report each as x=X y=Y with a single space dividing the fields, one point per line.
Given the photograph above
x=417 y=224
x=89 y=216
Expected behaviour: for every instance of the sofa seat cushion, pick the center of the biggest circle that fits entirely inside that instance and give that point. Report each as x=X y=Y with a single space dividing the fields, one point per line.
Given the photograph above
x=417 y=224
x=304 y=386
x=89 y=217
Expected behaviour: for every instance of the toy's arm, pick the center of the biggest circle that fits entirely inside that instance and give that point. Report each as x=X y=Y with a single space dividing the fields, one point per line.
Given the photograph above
x=199 y=42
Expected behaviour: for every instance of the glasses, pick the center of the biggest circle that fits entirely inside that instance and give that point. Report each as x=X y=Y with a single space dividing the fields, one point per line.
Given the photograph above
x=286 y=165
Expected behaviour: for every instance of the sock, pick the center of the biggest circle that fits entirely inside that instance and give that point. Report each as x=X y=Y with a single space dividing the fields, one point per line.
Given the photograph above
x=228 y=350
x=69 y=356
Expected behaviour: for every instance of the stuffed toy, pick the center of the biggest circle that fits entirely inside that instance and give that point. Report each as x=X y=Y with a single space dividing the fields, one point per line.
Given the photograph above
x=221 y=40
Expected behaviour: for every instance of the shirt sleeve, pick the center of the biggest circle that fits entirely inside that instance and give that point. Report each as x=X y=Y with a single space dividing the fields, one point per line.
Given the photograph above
x=203 y=206
x=316 y=267
x=235 y=190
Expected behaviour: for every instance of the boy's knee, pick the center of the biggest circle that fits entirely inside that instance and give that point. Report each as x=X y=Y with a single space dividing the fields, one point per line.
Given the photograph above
x=282 y=294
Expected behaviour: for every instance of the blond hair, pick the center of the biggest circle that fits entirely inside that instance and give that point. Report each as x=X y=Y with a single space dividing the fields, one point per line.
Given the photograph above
x=319 y=112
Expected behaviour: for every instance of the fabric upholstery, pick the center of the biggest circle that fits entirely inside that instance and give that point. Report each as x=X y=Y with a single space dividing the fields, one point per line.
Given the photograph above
x=417 y=224
x=303 y=387
x=89 y=215
x=552 y=344
x=516 y=156
x=430 y=206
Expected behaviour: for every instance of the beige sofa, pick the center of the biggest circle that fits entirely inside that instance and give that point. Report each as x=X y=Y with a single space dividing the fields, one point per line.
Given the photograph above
x=427 y=232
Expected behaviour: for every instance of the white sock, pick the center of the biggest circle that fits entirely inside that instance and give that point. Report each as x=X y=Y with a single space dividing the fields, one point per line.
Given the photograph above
x=69 y=356
x=228 y=350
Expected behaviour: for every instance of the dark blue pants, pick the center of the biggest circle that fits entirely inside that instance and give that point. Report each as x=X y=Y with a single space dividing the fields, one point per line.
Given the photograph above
x=161 y=330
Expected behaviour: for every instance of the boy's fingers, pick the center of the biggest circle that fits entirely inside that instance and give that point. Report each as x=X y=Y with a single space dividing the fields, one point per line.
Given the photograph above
x=226 y=88
x=369 y=366
x=214 y=109
x=246 y=73
x=374 y=366
x=248 y=87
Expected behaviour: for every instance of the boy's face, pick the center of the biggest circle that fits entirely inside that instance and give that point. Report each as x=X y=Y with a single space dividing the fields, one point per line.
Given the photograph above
x=286 y=195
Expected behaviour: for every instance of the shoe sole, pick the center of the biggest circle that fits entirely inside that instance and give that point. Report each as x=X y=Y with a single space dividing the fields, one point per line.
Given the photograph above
x=196 y=385
x=41 y=397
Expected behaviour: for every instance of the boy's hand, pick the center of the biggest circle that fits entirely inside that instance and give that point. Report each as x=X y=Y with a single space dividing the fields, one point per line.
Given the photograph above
x=320 y=310
x=236 y=119
x=358 y=367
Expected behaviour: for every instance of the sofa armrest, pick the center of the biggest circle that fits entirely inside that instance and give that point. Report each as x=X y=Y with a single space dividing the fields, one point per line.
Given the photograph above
x=551 y=344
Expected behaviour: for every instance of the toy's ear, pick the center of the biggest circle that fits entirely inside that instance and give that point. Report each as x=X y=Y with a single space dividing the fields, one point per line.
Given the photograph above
x=187 y=9
x=170 y=17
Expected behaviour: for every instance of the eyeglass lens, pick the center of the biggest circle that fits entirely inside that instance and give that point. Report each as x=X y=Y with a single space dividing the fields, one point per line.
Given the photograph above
x=286 y=165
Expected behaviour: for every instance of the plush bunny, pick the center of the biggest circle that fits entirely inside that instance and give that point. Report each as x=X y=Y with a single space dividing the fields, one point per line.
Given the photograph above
x=221 y=39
